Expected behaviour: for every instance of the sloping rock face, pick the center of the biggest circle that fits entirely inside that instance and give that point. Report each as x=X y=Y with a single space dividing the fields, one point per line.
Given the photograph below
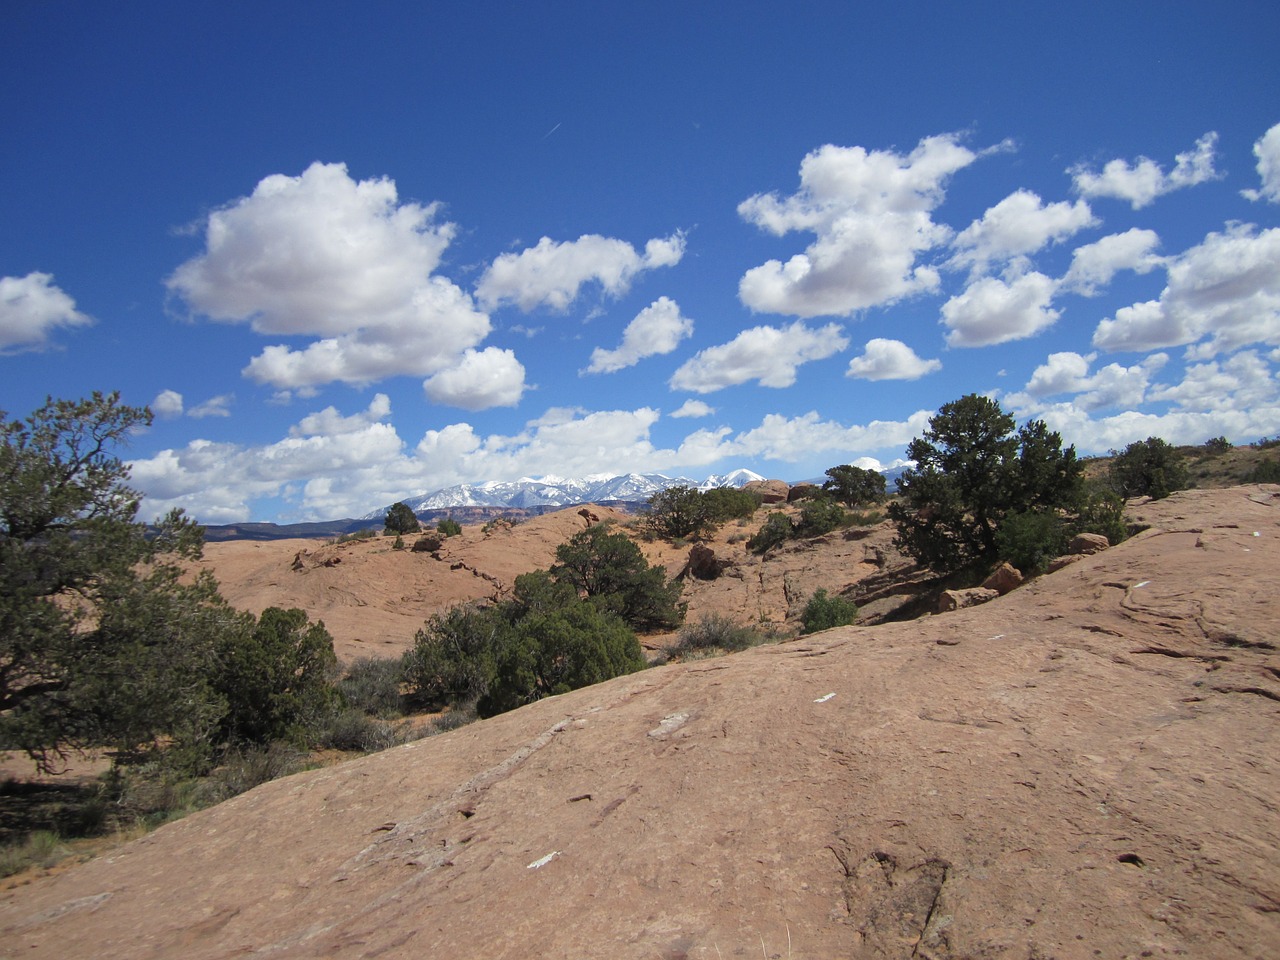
x=1085 y=767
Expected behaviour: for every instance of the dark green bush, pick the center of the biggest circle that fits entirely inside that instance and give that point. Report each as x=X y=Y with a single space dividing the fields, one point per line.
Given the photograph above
x=1030 y=540
x=823 y=612
x=777 y=528
x=449 y=527
x=820 y=516
x=1148 y=468
x=276 y=679
x=610 y=570
x=400 y=519
x=1264 y=471
x=854 y=486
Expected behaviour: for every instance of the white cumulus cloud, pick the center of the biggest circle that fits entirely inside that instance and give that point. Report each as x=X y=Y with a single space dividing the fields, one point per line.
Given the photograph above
x=327 y=256
x=329 y=422
x=1142 y=181
x=552 y=274
x=769 y=355
x=1018 y=225
x=991 y=310
x=213 y=407
x=871 y=213
x=890 y=360
x=31 y=308
x=693 y=408
x=167 y=404
x=657 y=329
x=1110 y=387
x=1226 y=289
x=1267 y=150
x=1094 y=264
x=481 y=379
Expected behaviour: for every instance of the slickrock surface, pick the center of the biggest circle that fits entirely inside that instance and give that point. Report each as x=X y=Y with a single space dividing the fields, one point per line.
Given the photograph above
x=1085 y=767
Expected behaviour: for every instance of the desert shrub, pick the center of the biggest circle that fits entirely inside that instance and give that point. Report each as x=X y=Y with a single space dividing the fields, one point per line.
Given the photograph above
x=823 y=612
x=354 y=730
x=397 y=543
x=1264 y=471
x=610 y=570
x=716 y=632
x=41 y=848
x=1103 y=512
x=777 y=528
x=449 y=527
x=244 y=768
x=372 y=686
x=854 y=486
x=972 y=471
x=1148 y=468
x=1217 y=446
x=1030 y=539
x=366 y=534
x=678 y=512
x=454 y=655
x=865 y=518
x=400 y=519
x=454 y=718
x=557 y=651
x=820 y=516
x=728 y=503
x=427 y=543
x=276 y=679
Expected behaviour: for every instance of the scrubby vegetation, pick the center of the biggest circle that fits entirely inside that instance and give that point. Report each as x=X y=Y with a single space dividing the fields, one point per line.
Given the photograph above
x=552 y=637
x=400 y=520
x=1149 y=468
x=683 y=512
x=823 y=612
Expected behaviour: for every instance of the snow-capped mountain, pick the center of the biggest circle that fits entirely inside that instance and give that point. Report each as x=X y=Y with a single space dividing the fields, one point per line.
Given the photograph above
x=560 y=491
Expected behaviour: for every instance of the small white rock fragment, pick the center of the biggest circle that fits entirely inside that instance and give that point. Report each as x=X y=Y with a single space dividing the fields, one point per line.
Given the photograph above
x=824 y=699
x=543 y=861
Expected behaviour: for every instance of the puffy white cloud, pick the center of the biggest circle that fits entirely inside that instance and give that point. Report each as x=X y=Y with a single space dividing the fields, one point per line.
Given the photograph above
x=767 y=354
x=329 y=422
x=31 y=308
x=1144 y=180
x=213 y=407
x=1242 y=382
x=1226 y=289
x=890 y=360
x=991 y=310
x=1094 y=264
x=798 y=438
x=1112 y=386
x=1018 y=225
x=324 y=255
x=167 y=404
x=693 y=408
x=487 y=378
x=1267 y=150
x=657 y=329
x=552 y=274
x=871 y=212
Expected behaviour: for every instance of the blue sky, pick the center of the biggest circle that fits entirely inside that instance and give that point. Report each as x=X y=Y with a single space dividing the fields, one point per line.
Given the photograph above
x=353 y=252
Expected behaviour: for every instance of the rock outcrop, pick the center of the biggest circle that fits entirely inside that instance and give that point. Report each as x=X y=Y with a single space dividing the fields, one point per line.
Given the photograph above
x=1083 y=768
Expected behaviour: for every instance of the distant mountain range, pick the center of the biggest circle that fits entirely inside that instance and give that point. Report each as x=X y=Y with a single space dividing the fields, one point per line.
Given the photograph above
x=529 y=496
x=558 y=492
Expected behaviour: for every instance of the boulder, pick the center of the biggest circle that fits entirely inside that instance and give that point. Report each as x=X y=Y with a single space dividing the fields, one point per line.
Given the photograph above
x=703 y=563
x=1003 y=578
x=959 y=599
x=769 y=491
x=803 y=491
x=1084 y=544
